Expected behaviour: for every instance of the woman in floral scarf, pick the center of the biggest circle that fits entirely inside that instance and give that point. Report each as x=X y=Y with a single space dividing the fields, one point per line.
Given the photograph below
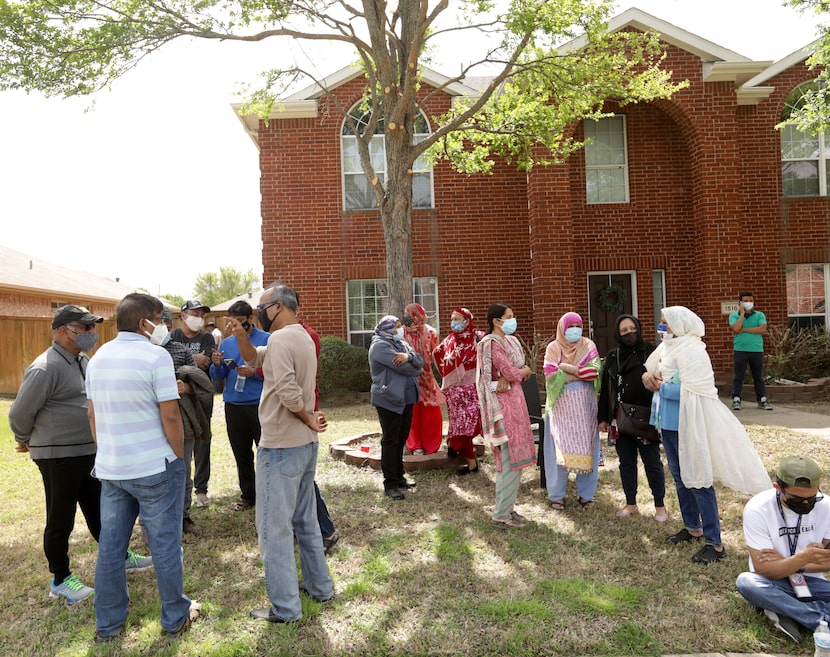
x=572 y=367
x=500 y=371
x=426 y=432
x=456 y=361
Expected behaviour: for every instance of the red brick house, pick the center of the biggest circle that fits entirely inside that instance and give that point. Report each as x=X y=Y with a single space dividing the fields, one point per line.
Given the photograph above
x=679 y=202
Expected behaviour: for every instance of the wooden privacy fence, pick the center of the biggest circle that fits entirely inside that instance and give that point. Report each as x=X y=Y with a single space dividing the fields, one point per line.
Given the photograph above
x=22 y=339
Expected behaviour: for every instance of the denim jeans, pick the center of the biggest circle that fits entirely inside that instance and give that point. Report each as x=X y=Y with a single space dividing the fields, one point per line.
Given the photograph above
x=557 y=479
x=159 y=499
x=777 y=595
x=627 y=449
x=189 y=445
x=698 y=506
x=286 y=507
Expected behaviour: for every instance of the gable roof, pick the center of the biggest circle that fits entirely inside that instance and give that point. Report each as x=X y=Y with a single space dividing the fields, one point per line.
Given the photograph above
x=303 y=103
x=23 y=273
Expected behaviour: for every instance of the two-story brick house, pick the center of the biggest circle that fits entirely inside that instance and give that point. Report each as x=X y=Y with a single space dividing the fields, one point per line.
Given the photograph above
x=678 y=202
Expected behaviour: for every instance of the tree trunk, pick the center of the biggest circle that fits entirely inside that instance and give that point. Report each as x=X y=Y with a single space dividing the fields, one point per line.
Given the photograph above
x=396 y=216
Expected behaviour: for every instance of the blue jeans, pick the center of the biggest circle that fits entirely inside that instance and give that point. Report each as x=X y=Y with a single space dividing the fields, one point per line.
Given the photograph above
x=698 y=506
x=557 y=478
x=285 y=507
x=777 y=595
x=159 y=499
x=755 y=360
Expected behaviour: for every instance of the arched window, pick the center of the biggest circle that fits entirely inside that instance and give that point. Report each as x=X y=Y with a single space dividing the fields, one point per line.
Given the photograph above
x=357 y=192
x=804 y=157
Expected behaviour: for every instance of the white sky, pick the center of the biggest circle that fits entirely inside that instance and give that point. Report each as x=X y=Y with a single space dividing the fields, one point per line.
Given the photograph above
x=158 y=182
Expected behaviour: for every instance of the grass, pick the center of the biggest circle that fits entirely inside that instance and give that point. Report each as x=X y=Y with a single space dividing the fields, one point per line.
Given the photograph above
x=426 y=576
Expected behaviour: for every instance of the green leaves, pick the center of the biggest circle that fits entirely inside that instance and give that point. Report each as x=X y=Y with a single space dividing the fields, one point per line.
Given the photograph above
x=213 y=288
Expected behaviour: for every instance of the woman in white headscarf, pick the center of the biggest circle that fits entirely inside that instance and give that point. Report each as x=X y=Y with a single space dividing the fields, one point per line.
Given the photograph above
x=704 y=442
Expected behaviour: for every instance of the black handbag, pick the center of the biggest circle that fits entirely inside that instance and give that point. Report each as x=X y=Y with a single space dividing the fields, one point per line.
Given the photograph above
x=632 y=419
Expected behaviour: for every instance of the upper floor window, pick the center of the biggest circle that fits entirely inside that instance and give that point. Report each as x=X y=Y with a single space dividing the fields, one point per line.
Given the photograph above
x=357 y=192
x=606 y=160
x=804 y=166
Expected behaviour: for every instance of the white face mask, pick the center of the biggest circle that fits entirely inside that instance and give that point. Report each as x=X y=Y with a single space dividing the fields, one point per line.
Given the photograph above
x=399 y=333
x=194 y=323
x=748 y=305
x=159 y=332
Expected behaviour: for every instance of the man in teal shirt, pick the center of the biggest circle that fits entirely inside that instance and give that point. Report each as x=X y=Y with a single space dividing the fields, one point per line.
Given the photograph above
x=749 y=326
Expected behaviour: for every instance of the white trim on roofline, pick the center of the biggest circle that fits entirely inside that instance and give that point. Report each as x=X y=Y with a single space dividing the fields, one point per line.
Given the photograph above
x=671 y=34
x=783 y=64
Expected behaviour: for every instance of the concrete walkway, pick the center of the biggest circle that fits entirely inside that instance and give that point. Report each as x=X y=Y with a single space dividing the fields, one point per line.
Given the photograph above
x=791 y=417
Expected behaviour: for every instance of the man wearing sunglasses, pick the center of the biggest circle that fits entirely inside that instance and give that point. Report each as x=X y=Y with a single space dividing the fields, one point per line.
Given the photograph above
x=787 y=530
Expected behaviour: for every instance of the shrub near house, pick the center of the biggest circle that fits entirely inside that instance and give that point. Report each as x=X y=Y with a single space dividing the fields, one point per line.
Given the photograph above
x=343 y=367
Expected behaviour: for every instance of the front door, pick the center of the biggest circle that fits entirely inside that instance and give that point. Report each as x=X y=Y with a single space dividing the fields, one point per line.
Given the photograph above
x=610 y=295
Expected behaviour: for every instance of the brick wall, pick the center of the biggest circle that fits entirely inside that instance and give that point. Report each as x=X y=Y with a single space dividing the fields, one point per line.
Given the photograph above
x=705 y=206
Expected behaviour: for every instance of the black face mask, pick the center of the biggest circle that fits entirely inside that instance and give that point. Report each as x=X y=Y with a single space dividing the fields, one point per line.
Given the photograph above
x=265 y=321
x=801 y=507
x=629 y=339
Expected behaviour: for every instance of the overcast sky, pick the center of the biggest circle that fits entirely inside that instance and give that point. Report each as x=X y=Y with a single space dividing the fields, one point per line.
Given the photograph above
x=157 y=182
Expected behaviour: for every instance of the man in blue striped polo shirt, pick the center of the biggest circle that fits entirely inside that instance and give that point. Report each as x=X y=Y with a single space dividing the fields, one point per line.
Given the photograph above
x=135 y=419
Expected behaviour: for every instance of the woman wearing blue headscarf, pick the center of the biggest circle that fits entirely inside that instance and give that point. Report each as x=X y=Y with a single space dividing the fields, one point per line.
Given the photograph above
x=395 y=368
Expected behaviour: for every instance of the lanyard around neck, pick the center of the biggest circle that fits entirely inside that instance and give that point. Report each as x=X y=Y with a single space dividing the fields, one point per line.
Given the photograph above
x=792 y=532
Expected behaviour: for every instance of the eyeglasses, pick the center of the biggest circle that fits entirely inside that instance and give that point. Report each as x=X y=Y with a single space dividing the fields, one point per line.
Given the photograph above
x=263 y=306
x=84 y=328
x=796 y=499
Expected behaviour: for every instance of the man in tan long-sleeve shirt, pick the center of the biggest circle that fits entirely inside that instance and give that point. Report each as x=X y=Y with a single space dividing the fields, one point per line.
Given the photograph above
x=287 y=457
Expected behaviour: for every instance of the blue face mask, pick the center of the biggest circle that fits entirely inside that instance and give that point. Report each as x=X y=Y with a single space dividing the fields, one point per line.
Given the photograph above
x=509 y=326
x=573 y=333
x=457 y=327
x=663 y=331
x=399 y=333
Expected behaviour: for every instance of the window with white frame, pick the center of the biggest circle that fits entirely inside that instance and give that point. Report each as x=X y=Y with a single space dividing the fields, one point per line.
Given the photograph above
x=606 y=160
x=806 y=295
x=804 y=156
x=357 y=192
x=368 y=300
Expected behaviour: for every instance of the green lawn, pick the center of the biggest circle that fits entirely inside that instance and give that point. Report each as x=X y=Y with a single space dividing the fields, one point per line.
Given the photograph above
x=426 y=576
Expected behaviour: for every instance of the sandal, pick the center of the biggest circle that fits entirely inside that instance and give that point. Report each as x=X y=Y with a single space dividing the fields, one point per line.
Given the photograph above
x=242 y=506
x=518 y=517
x=510 y=522
x=585 y=504
x=557 y=505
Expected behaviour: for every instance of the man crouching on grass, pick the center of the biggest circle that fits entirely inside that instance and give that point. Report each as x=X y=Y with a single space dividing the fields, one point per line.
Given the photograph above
x=287 y=457
x=787 y=529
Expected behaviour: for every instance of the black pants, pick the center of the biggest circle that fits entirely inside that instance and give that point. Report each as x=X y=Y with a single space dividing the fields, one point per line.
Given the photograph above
x=627 y=448
x=201 y=460
x=395 y=428
x=755 y=360
x=68 y=484
x=243 y=434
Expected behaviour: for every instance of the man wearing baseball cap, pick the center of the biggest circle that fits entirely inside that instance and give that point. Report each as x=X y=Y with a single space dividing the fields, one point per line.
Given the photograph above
x=49 y=421
x=786 y=530
x=201 y=344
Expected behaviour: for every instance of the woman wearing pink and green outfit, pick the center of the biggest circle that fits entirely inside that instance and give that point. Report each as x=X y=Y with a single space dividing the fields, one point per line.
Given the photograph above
x=505 y=421
x=572 y=367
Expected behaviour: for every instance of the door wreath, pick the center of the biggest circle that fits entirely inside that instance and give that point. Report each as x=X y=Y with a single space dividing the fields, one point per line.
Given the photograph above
x=612 y=299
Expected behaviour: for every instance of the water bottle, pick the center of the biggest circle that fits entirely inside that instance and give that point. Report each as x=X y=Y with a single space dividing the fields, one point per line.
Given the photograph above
x=822 y=638
x=239 y=386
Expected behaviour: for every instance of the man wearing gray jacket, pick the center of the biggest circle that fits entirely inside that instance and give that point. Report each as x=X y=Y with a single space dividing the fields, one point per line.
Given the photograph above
x=49 y=420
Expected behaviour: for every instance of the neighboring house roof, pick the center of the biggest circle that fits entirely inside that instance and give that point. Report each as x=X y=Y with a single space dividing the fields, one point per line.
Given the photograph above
x=251 y=297
x=23 y=273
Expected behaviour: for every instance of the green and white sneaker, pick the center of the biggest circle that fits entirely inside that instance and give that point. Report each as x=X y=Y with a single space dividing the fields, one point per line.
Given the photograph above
x=136 y=563
x=72 y=589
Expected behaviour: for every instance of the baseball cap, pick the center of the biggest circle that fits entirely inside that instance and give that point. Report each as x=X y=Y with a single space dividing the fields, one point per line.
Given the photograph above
x=799 y=471
x=167 y=315
x=194 y=304
x=72 y=313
